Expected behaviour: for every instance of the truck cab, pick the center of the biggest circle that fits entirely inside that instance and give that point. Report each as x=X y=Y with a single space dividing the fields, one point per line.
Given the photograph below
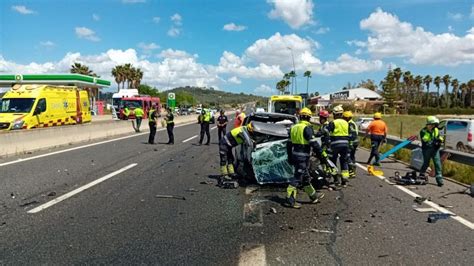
x=285 y=104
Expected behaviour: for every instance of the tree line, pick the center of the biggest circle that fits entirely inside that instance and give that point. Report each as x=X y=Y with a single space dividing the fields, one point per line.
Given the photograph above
x=283 y=86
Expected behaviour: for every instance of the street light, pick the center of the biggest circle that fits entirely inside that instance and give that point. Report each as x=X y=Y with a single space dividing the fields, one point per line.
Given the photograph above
x=294 y=71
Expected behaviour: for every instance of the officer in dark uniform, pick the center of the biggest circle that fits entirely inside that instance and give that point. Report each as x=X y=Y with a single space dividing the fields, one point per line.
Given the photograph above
x=152 y=119
x=170 y=126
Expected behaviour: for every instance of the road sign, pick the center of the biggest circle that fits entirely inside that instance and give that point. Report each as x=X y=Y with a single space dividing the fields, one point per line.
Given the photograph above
x=171 y=100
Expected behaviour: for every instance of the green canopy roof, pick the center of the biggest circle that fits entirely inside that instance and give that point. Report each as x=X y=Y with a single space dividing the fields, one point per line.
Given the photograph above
x=56 y=79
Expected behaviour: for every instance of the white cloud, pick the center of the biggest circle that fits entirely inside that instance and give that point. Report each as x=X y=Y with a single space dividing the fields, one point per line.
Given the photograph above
x=156 y=19
x=234 y=80
x=177 y=19
x=349 y=64
x=86 y=33
x=174 y=32
x=47 y=44
x=232 y=64
x=263 y=90
x=23 y=10
x=357 y=43
x=389 y=37
x=450 y=28
x=455 y=16
x=322 y=30
x=148 y=48
x=133 y=1
x=95 y=17
x=296 y=13
x=234 y=27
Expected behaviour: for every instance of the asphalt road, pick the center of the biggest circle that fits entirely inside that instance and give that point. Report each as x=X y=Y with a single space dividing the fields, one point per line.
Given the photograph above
x=122 y=221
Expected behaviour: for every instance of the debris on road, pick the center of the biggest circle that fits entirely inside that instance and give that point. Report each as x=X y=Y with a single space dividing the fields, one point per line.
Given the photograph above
x=170 y=197
x=273 y=210
x=29 y=203
x=432 y=218
x=425 y=209
x=191 y=190
x=51 y=194
x=419 y=200
x=446 y=206
x=206 y=183
x=321 y=231
x=229 y=184
x=12 y=195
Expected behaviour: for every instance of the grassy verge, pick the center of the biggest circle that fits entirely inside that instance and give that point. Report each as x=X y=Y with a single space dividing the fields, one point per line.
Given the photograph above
x=460 y=172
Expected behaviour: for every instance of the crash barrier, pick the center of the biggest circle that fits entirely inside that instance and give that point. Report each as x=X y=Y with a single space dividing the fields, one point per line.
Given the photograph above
x=455 y=156
x=24 y=141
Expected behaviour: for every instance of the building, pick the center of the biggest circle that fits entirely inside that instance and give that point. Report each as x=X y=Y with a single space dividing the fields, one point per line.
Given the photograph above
x=355 y=94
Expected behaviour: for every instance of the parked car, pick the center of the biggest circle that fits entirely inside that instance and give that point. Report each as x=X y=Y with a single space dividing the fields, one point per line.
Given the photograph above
x=363 y=122
x=183 y=111
x=198 y=110
x=260 y=110
x=458 y=134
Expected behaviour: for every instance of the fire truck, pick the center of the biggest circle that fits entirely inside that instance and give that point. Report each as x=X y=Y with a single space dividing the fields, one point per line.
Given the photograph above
x=132 y=102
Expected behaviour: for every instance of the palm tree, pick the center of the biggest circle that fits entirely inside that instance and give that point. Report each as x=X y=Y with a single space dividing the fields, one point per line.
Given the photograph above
x=417 y=81
x=79 y=68
x=407 y=80
x=307 y=74
x=455 y=85
x=437 y=82
x=446 y=81
x=137 y=78
x=463 y=87
x=470 y=85
x=427 y=80
x=117 y=73
x=397 y=73
x=281 y=86
x=293 y=78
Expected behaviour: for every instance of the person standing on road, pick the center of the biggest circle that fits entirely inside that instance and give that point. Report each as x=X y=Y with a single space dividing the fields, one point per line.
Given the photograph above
x=239 y=118
x=170 y=126
x=204 y=120
x=221 y=125
x=152 y=119
x=353 y=142
x=126 y=112
x=323 y=133
x=138 y=117
x=302 y=141
x=378 y=134
x=339 y=133
x=431 y=142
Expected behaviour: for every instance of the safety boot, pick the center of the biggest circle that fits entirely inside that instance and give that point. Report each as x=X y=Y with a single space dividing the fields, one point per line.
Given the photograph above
x=230 y=168
x=291 y=198
x=313 y=196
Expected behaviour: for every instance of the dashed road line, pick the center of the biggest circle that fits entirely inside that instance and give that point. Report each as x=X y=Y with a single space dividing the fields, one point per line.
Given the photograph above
x=195 y=136
x=252 y=254
x=454 y=216
x=80 y=189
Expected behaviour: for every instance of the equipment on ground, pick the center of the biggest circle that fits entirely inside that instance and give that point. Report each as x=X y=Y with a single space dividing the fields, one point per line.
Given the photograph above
x=433 y=217
x=410 y=178
x=229 y=184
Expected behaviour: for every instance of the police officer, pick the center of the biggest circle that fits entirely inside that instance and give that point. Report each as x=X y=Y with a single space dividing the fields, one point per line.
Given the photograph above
x=431 y=142
x=152 y=119
x=138 y=117
x=230 y=140
x=302 y=141
x=204 y=120
x=339 y=133
x=221 y=125
x=170 y=126
x=353 y=142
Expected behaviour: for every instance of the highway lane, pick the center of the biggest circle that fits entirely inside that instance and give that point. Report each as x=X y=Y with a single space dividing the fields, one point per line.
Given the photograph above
x=121 y=221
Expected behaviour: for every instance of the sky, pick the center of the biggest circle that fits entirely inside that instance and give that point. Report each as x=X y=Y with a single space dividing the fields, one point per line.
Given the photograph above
x=240 y=45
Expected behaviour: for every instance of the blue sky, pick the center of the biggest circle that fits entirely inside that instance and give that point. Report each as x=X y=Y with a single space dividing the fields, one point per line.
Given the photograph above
x=240 y=46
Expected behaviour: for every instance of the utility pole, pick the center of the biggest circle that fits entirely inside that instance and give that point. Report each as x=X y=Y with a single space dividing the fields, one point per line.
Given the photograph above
x=294 y=71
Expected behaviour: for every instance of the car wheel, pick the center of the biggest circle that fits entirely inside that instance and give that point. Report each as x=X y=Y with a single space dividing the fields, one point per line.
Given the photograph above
x=460 y=147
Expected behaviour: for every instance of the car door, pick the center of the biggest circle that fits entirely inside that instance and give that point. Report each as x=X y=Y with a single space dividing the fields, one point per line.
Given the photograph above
x=40 y=113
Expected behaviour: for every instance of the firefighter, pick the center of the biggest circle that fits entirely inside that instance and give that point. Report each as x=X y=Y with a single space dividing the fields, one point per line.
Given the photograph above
x=152 y=119
x=230 y=140
x=378 y=134
x=205 y=120
x=170 y=126
x=302 y=141
x=431 y=142
x=239 y=118
x=126 y=112
x=339 y=133
x=353 y=142
x=326 y=145
x=138 y=117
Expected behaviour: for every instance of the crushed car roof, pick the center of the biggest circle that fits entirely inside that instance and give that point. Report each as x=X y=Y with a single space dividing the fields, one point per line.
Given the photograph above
x=279 y=130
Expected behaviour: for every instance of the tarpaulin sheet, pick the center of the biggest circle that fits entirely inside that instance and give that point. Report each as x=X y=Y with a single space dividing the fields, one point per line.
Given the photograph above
x=270 y=163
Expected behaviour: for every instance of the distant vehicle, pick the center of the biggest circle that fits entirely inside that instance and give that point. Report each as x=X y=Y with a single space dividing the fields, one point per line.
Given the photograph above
x=176 y=109
x=260 y=110
x=183 y=111
x=363 y=122
x=458 y=134
x=145 y=102
x=36 y=106
x=285 y=104
x=198 y=110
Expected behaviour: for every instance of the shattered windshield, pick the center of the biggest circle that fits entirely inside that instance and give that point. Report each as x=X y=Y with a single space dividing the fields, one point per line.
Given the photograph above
x=16 y=105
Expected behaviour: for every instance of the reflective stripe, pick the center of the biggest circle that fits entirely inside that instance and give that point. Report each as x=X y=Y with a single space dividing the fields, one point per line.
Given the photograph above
x=236 y=134
x=339 y=141
x=341 y=128
x=227 y=140
x=300 y=153
x=297 y=133
x=313 y=140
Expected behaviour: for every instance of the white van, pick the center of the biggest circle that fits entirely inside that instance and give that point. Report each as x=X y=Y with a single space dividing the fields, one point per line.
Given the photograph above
x=458 y=134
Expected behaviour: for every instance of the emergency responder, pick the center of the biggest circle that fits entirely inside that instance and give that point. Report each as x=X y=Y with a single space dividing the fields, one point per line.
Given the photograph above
x=169 y=118
x=378 y=134
x=302 y=141
x=323 y=133
x=204 y=120
x=431 y=142
x=221 y=125
x=339 y=132
x=126 y=112
x=152 y=119
x=353 y=142
x=138 y=117
x=239 y=118
x=230 y=140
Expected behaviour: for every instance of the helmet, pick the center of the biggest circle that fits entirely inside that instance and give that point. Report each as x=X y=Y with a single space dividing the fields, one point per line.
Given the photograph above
x=250 y=127
x=347 y=114
x=305 y=111
x=378 y=115
x=432 y=120
x=324 y=113
x=338 y=109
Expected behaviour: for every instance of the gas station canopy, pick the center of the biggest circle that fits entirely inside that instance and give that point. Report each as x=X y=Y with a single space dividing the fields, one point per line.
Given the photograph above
x=81 y=81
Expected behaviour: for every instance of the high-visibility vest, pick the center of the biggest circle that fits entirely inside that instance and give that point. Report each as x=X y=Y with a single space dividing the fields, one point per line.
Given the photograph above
x=151 y=118
x=138 y=112
x=428 y=137
x=126 y=111
x=234 y=137
x=206 y=117
x=297 y=133
x=340 y=134
x=169 y=118
x=354 y=131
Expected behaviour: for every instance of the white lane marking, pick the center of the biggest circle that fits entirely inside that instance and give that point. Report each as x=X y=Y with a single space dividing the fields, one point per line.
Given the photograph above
x=80 y=189
x=193 y=137
x=254 y=255
x=429 y=203
x=82 y=147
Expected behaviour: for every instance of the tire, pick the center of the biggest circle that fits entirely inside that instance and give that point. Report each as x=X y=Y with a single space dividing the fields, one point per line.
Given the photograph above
x=460 y=147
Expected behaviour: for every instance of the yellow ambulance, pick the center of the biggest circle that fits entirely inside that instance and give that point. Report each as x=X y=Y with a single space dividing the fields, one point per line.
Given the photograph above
x=28 y=106
x=285 y=104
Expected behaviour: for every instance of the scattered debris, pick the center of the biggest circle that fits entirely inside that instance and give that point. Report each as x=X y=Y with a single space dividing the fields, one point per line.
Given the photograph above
x=273 y=210
x=12 y=195
x=170 y=197
x=191 y=190
x=395 y=198
x=384 y=255
x=348 y=221
x=29 y=203
x=432 y=218
x=229 y=184
x=322 y=231
x=419 y=200
x=425 y=209
x=206 y=183
x=446 y=206
x=51 y=194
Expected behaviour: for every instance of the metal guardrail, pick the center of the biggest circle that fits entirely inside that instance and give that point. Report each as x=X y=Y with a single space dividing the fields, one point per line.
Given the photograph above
x=455 y=156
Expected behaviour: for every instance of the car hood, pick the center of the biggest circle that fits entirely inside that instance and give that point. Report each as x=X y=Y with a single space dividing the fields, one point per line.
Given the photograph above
x=279 y=130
